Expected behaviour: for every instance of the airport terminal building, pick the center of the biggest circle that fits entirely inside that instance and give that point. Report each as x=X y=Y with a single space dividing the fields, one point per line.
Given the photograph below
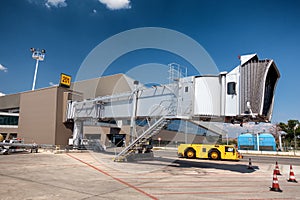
x=39 y=115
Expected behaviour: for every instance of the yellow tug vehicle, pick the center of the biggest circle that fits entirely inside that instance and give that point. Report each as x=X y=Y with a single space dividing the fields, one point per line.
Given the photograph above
x=209 y=151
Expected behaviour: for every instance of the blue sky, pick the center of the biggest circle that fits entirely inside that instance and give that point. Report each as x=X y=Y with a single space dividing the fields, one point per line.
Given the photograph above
x=70 y=29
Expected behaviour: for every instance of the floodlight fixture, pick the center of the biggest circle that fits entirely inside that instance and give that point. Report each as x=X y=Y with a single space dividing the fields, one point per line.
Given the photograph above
x=38 y=56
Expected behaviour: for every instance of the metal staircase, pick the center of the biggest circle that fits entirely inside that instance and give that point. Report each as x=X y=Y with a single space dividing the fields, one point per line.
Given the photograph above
x=139 y=145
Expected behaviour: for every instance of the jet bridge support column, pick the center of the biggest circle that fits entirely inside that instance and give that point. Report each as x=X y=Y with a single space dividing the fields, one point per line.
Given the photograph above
x=133 y=115
x=77 y=133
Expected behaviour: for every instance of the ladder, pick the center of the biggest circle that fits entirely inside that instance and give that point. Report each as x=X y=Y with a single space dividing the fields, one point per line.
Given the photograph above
x=140 y=141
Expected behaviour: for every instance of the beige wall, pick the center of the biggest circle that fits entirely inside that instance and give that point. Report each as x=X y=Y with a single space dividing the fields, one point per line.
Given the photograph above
x=104 y=130
x=106 y=85
x=8 y=102
x=63 y=131
x=41 y=117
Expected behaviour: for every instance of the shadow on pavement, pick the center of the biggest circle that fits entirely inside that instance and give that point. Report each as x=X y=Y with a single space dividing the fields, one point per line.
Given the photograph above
x=241 y=168
x=194 y=163
x=179 y=163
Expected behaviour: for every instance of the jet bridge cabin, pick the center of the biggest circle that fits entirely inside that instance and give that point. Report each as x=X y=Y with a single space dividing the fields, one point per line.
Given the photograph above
x=244 y=94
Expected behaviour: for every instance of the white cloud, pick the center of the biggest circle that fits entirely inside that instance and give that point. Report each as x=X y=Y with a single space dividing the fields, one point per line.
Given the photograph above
x=2 y=94
x=52 y=84
x=94 y=11
x=56 y=3
x=2 y=68
x=116 y=4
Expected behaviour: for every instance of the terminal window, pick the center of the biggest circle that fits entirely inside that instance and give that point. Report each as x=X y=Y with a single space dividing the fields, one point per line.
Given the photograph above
x=9 y=120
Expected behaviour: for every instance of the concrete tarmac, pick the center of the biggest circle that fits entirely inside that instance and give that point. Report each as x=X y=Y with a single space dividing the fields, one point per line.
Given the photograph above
x=91 y=175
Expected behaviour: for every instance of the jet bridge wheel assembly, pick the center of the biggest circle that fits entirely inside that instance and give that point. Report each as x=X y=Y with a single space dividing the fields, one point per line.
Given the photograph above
x=214 y=154
x=34 y=150
x=190 y=153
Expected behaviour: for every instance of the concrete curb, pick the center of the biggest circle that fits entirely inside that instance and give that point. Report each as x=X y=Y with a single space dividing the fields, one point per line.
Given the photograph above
x=273 y=153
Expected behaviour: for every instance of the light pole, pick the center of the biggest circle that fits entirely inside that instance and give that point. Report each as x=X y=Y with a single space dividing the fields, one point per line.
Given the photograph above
x=185 y=135
x=227 y=138
x=295 y=139
x=38 y=56
x=257 y=141
x=281 y=134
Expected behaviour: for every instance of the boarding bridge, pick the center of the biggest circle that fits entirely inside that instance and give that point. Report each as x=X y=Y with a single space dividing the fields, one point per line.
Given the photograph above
x=245 y=94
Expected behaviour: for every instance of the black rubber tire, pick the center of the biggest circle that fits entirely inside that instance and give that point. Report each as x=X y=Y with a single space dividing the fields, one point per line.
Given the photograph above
x=190 y=153
x=214 y=155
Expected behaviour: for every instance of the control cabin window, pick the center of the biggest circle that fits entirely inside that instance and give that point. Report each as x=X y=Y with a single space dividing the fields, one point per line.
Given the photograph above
x=231 y=88
x=229 y=149
x=186 y=89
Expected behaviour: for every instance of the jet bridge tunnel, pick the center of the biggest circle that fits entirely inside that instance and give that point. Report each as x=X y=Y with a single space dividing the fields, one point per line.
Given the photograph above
x=244 y=94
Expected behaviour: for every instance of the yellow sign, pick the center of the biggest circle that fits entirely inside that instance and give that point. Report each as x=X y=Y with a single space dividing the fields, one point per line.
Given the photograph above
x=65 y=80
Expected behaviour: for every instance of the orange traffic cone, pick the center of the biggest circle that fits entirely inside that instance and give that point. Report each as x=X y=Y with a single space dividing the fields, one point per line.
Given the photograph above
x=292 y=176
x=275 y=184
x=277 y=169
x=250 y=164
